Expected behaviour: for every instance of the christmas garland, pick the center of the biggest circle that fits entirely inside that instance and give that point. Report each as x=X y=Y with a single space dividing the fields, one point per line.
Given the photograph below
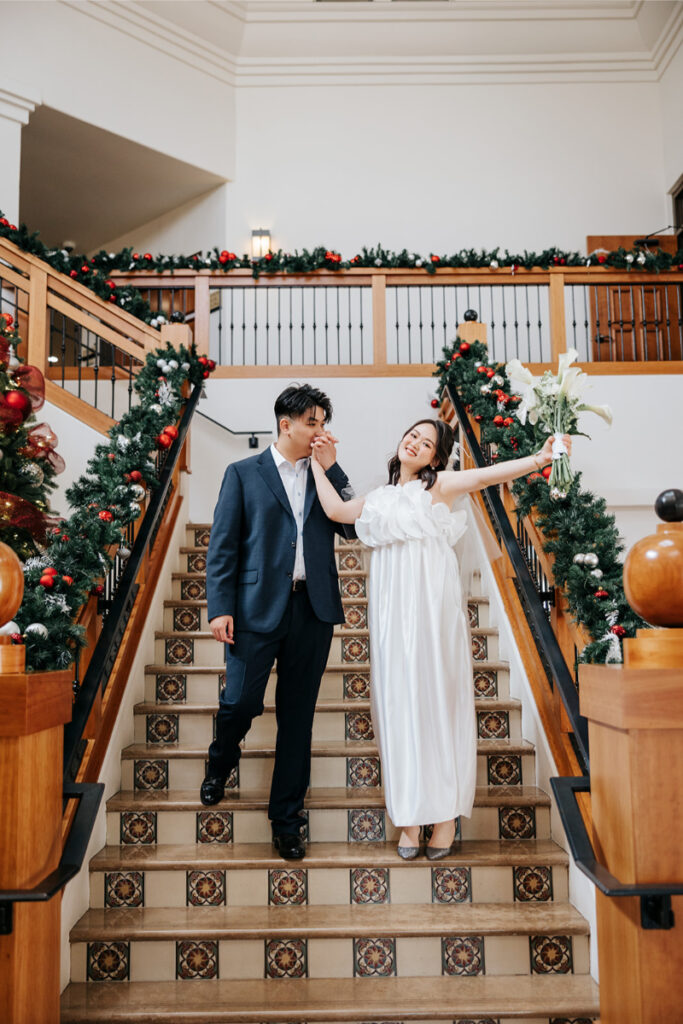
x=94 y=271
x=578 y=532
x=105 y=499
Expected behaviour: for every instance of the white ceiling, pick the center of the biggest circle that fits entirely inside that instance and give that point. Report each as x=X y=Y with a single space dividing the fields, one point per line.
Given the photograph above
x=67 y=166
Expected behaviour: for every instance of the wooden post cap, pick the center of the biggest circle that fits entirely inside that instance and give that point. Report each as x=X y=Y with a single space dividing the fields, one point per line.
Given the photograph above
x=653 y=570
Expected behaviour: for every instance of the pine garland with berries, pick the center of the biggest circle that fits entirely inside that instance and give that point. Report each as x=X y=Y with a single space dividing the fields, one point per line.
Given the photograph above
x=579 y=534
x=94 y=271
x=105 y=499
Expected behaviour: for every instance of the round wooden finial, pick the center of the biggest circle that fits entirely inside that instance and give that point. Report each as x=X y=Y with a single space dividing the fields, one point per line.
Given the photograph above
x=653 y=570
x=11 y=584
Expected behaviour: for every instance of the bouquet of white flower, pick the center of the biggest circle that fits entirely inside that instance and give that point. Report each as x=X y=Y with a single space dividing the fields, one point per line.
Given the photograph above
x=553 y=402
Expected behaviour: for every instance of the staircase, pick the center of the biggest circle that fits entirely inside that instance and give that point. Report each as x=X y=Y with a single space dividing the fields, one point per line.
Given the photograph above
x=194 y=918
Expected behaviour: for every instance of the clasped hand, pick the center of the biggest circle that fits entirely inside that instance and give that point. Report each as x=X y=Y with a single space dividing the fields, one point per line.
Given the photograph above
x=324 y=449
x=546 y=451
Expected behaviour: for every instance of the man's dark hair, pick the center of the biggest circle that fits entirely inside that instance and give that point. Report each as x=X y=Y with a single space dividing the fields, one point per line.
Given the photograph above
x=296 y=400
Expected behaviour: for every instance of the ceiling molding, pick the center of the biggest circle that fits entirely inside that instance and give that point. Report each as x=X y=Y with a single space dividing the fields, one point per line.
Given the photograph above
x=17 y=102
x=161 y=34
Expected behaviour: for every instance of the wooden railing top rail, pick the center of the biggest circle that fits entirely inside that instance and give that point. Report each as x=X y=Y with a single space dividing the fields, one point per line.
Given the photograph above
x=114 y=316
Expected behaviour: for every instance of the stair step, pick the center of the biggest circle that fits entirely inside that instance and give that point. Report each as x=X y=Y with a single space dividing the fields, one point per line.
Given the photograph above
x=323 y=706
x=150 y=923
x=333 y=748
x=238 y=856
x=314 y=1000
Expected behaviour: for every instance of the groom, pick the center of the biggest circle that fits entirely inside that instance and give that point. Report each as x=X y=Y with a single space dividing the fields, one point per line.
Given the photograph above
x=273 y=593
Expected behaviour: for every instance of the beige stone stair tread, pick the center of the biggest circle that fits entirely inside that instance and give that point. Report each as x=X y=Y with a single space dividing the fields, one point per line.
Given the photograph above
x=329 y=705
x=206 y=634
x=321 y=748
x=330 y=999
x=322 y=921
x=180 y=602
x=212 y=856
x=180 y=669
x=321 y=797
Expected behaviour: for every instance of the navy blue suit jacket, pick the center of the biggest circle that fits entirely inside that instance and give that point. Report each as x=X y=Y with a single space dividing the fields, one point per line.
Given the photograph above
x=253 y=545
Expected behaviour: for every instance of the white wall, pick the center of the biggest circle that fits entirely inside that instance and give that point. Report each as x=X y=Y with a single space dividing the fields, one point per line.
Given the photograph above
x=197 y=225
x=671 y=86
x=82 y=60
x=10 y=164
x=76 y=444
x=523 y=166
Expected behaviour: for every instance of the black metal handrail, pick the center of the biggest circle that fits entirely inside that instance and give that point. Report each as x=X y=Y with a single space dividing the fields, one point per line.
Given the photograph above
x=546 y=642
x=251 y=434
x=105 y=651
x=89 y=796
x=655 y=900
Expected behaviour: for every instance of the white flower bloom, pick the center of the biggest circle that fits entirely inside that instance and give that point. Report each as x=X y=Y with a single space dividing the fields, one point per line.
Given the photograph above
x=573 y=383
x=518 y=373
x=565 y=361
x=603 y=411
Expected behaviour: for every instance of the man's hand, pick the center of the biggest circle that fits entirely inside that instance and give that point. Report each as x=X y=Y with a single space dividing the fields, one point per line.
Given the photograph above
x=223 y=628
x=324 y=448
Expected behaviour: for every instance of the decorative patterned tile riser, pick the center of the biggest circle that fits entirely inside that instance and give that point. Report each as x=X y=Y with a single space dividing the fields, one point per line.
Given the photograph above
x=350 y=650
x=202 y=687
x=196 y=729
x=184 y=617
x=250 y=887
x=413 y=956
x=256 y=772
x=326 y=825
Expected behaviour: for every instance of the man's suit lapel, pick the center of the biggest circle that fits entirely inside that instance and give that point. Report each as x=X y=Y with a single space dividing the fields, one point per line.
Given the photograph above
x=268 y=470
x=311 y=493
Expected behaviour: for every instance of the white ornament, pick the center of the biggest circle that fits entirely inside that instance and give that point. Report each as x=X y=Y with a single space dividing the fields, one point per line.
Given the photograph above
x=173 y=365
x=497 y=379
x=185 y=367
x=138 y=492
x=135 y=509
x=494 y=264
x=629 y=257
x=485 y=389
x=165 y=369
x=378 y=262
x=124 y=552
x=154 y=322
x=155 y=408
x=579 y=559
x=478 y=362
x=597 y=573
x=9 y=628
x=418 y=263
x=161 y=318
x=12 y=361
x=591 y=560
x=161 y=362
x=641 y=258
x=38 y=628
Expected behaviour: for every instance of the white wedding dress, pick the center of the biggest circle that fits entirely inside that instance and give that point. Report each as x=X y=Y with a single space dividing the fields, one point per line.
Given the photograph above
x=422 y=694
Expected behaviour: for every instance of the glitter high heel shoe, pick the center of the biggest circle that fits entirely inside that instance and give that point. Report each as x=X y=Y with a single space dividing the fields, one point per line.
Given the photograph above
x=408 y=852
x=438 y=852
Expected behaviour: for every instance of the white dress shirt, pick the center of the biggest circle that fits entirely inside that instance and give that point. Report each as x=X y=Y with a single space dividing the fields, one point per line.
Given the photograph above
x=294 y=480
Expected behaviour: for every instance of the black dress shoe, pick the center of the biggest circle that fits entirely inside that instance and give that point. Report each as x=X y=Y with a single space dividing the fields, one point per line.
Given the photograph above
x=289 y=846
x=212 y=790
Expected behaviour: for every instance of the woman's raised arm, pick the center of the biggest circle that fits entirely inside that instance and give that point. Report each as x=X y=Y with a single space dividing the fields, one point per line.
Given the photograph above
x=452 y=483
x=334 y=507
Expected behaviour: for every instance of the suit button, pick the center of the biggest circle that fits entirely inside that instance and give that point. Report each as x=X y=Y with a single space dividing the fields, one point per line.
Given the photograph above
x=293 y=543
x=290 y=575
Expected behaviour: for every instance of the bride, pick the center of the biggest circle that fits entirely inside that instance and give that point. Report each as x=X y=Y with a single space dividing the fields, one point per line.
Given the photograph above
x=422 y=694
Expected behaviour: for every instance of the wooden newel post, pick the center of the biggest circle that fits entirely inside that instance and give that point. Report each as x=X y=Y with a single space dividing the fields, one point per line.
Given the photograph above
x=635 y=716
x=33 y=710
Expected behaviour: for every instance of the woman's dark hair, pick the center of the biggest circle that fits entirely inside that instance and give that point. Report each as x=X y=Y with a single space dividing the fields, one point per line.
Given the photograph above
x=297 y=399
x=442 y=451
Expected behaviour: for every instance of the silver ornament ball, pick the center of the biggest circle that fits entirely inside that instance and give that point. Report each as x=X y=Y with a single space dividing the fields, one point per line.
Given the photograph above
x=135 y=509
x=579 y=559
x=591 y=560
x=38 y=628
x=138 y=491
x=598 y=573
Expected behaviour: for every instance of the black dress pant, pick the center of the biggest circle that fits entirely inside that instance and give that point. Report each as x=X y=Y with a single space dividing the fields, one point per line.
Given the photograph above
x=301 y=645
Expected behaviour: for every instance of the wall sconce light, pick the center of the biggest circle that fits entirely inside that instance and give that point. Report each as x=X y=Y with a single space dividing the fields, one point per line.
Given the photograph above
x=260 y=243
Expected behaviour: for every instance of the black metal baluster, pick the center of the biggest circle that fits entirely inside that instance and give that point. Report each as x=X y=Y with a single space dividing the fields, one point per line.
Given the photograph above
x=113 y=384
x=130 y=383
x=528 y=322
x=314 y=292
x=220 y=328
x=505 y=325
x=680 y=319
x=409 y=326
x=667 y=320
x=445 y=318
x=633 y=324
x=64 y=350
x=303 y=325
x=539 y=322
x=362 y=329
x=597 y=322
x=339 y=359
x=244 y=326
x=96 y=370
x=279 y=326
x=492 y=321
x=516 y=320
x=421 y=324
x=291 y=327
x=231 y=293
x=256 y=295
x=621 y=323
x=572 y=292
x=326 y=325
x=644 y=322
x=431 y=301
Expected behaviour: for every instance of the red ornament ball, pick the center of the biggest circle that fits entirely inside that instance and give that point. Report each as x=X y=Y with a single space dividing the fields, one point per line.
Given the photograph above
x=602 y=593
x=135 y=476
x=435 y=403
x=73 y=273
x=47 y=581
x=618 y=631
x=105 y=515
x=482 y=369
x=206 y=374
x=498 y=421
x=436 y=259
x=68 y=580
x=212 y=365
x=97 y=590
x=508 y=421
x=164 y=441
x=477 y=418
x=546 y=471
x=171 y=430
x=490 y=373
x=19 y=401
x=49 y=572
x=16 y=638
x=203 y=361
x=465 y=347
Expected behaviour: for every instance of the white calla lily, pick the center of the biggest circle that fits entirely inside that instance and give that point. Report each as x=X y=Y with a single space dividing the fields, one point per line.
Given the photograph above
x=603 y=411
x=565 y=361
x=518 y=374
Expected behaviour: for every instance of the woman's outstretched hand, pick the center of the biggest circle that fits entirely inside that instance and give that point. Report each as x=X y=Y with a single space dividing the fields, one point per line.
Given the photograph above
x=324 y=449
x=546 y=452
